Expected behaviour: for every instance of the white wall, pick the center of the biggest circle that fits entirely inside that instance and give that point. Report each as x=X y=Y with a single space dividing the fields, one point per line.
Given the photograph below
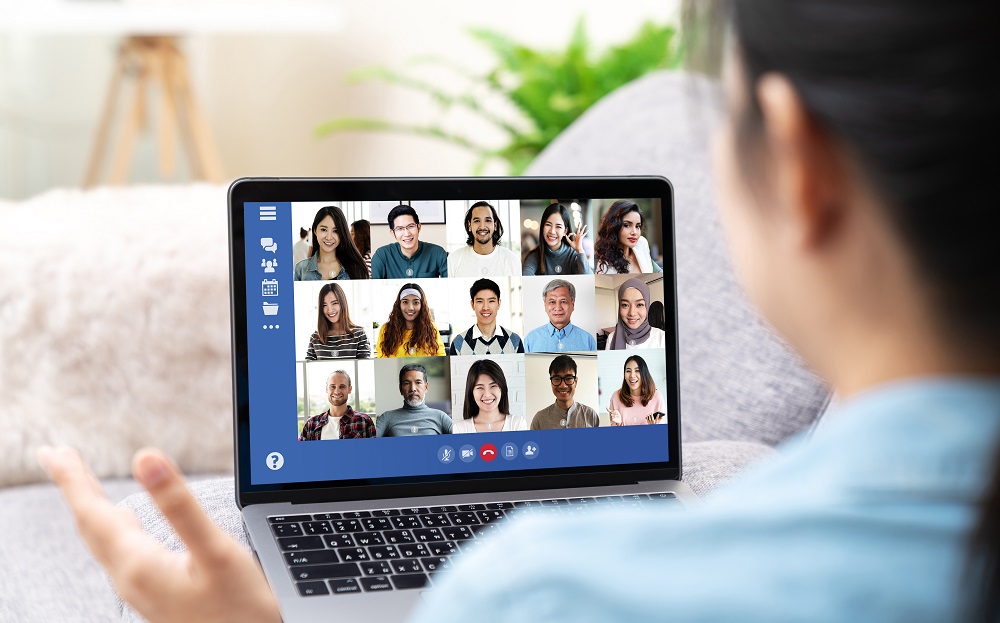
x=265 y=94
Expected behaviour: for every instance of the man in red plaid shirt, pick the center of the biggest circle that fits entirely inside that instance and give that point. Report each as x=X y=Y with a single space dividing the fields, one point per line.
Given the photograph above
x=340 y=421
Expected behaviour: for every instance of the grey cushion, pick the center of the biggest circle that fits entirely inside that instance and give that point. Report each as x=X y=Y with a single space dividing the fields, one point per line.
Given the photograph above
x=738 y=380
x=46 y=572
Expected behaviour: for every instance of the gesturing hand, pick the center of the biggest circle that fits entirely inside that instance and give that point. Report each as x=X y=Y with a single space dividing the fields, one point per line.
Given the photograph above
x=576 y=239
x=615 y=415
x=215 y=580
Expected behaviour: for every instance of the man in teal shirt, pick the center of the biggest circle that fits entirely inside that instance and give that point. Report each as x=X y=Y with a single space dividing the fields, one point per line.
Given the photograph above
x=408 y=258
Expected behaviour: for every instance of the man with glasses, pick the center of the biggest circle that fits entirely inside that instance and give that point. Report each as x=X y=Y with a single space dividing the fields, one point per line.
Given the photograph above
x=564 y=412
x=408 y=258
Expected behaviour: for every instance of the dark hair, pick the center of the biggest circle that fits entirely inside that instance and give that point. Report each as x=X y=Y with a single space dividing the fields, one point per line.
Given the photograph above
x=908 y=98
x=484 y=284
x=362 y=236
x=323 y=325
x=401 y=210
x=562 y=362
x=424 y=336
x=657 y=316
x=606 y=250
x=303 y=232
x=553 y=208
x=646 y=384
x=410 y=367
x=497 y=233
x=347 y=254
x=493 y=370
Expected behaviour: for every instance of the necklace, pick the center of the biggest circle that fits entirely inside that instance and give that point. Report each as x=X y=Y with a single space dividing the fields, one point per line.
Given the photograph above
x=489 y=425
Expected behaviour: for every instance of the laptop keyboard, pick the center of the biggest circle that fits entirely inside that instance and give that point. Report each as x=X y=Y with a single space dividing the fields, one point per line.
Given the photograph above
x=402 y=548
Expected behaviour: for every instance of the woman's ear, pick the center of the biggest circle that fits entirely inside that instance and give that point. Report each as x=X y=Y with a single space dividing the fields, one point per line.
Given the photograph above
x=807 y=165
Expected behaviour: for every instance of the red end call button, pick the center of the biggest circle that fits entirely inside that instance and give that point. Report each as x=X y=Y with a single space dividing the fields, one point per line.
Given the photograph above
x=488 y=452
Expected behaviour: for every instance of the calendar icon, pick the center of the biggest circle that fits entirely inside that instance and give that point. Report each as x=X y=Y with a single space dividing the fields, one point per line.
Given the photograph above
x=269 y=287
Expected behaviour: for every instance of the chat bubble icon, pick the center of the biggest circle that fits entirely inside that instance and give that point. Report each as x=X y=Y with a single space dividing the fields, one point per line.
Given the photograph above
x=269 y=244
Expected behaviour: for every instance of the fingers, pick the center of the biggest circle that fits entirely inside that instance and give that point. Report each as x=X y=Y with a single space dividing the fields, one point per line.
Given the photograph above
x=161 y=478
x=98 y=521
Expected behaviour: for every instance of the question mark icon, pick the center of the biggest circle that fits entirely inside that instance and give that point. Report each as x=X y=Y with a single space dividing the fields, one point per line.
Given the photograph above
x=275 y=461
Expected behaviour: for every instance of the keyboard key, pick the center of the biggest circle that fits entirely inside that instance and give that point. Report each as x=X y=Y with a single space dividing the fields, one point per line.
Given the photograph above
x=395 y=537
x=407 y=566
x=443 y=509
x=383 y=552
x=327 y=516
x=376 y=567
x=317 y=527
x=463 y=519
x=413 y=580
x=356 y=514
x=413 y=550
x=339 y=540
x=664 y=496
x=457 y=533
x=311 y=557
x=490 y=516
x=613 y=499
x=499 y=506
x=307 y=589
x=404 y=522
x=388 y=512
x=413 y=511
x=425 y=535
x=326 y=572
x=377 y=523
x=297 y=543
x=435 y=563
x=347 y=525
x=345 y=585
x=635 y=497
x=377 y=583
x=484 y=530
x=442 y=548
x=471 y=507
x=369 y=538
x=352 y=554
x=527 y=503
x=582 y=500
x=286 y=529
x=434 y=520
x=288 y=518
x=554 y=502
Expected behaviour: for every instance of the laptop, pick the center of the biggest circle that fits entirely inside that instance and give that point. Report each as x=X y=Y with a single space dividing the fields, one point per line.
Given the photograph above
x=419 y=362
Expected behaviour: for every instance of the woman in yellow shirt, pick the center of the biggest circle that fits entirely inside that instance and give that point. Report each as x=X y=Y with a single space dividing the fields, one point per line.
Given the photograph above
x=409 y=330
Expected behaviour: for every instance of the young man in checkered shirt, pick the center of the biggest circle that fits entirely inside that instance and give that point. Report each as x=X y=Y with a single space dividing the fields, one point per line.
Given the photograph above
x=486 y=337
x=340 y=421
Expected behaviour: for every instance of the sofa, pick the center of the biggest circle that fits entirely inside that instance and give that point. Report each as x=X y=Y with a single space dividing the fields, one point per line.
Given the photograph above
x=114 y=335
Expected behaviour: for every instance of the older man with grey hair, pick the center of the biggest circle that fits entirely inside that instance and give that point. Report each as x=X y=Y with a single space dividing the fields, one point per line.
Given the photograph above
x=559 y=335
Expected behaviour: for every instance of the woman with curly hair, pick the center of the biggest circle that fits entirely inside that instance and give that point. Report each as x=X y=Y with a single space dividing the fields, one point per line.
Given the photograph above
x=335 y=335
x=621 y=248
x=409 y=330
x=332 y=254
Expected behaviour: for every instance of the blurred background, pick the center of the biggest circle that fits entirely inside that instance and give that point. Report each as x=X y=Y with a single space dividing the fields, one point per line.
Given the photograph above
x=279 y=88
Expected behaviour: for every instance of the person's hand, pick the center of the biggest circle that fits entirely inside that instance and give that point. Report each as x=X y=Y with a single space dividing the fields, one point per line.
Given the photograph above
x=656 y=417
x=576 y=239
x=215 y=580
x=615 y=415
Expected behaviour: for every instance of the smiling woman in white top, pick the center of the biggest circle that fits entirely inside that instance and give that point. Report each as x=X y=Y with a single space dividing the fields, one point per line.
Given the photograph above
x=487 y=408
x=633 y=329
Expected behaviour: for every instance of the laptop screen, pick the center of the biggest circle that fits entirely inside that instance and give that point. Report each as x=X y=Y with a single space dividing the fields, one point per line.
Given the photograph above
x=394 y=338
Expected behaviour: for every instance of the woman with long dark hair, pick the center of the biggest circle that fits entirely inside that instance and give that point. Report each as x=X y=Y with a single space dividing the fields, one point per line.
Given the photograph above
x=638 y=401
x=486 y=408
x=560 y=250
x=332 y=254
x=409 y=330
x=857 y=187
x=361 y=234
x=335 y=335
x=621 y=248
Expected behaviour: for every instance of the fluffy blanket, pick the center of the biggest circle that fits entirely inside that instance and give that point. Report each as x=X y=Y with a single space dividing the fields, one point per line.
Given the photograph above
x=114 y=328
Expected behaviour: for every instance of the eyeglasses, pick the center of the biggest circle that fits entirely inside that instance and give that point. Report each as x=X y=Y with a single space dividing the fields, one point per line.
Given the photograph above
x=559 y=380
x=399 y=231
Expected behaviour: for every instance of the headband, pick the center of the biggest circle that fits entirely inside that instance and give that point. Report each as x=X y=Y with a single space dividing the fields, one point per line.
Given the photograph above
x=409 y=291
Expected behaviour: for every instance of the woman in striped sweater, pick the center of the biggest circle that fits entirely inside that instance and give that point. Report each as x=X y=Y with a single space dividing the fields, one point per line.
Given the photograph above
x=336 y=336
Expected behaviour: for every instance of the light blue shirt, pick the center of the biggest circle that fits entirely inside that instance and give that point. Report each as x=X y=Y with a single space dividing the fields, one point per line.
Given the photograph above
x=548 y=339
x=864 y=521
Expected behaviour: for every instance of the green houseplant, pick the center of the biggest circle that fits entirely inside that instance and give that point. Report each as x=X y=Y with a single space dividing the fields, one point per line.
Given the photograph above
x=546 y=89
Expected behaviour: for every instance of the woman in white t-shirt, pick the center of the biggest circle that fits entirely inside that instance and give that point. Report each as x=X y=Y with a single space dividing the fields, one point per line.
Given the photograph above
x=487 y=408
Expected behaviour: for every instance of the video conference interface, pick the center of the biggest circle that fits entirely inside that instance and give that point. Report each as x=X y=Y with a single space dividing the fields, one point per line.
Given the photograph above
x=393 y=339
